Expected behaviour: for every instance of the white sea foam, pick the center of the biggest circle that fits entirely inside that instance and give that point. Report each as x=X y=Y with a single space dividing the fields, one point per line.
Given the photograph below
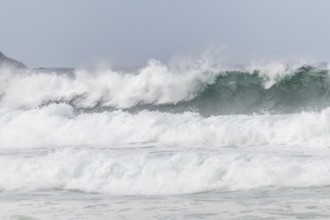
x=156 y=83
x=274 y=71
x=148 y=174
x=41 y=110
x=58 y=125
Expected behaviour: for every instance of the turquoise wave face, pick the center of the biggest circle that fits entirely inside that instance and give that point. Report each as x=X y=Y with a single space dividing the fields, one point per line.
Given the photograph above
x=239 y=92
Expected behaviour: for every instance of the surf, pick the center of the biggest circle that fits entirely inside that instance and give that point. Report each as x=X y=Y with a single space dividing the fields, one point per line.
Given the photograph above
x=202 y=88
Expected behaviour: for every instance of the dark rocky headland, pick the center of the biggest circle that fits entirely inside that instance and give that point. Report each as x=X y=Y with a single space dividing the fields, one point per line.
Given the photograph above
x=6 y=61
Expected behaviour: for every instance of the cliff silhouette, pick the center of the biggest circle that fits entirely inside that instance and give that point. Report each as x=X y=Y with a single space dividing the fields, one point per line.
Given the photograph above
x=4 y=60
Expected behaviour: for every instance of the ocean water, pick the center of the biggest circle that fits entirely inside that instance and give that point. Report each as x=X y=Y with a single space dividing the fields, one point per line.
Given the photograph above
x=195 y=141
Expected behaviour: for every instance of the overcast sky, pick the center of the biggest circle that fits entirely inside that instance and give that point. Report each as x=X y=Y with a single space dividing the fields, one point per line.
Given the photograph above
x=60 y=33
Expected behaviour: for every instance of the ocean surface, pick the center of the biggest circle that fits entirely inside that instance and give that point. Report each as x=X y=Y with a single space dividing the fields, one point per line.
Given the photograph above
x=189 y=141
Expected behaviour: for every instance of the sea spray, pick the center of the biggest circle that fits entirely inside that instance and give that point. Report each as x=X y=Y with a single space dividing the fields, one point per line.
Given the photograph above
x=199 y=87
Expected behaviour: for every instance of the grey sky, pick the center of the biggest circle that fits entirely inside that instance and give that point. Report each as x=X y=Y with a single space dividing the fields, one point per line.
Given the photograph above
x=56 y=33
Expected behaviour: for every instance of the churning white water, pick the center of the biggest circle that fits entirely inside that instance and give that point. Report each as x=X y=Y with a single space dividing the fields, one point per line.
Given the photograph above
x=165 y=142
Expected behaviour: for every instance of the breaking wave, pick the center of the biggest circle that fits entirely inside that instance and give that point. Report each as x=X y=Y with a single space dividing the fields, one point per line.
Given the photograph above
x=159 y=174
x=200 y=87
x=60 y=125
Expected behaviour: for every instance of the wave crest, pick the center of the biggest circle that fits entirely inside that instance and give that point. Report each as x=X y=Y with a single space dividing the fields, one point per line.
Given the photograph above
x=200 y=87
